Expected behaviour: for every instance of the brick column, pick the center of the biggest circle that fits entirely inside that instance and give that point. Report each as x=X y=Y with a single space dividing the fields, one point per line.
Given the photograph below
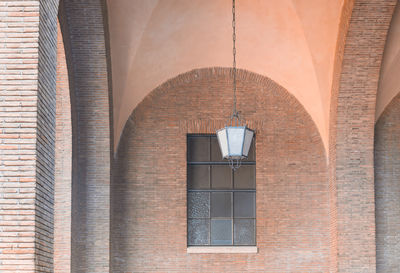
x=28 y=35
x=352 y=129
x=84 y=28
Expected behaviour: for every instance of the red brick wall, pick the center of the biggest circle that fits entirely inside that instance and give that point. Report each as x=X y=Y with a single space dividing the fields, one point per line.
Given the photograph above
x=387 y=188
x=352 y=134
x=27 y=109
x=63 y=166
x=149 y=190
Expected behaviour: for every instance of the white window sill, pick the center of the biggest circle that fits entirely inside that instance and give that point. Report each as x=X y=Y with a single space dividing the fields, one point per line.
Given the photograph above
x=222 y=249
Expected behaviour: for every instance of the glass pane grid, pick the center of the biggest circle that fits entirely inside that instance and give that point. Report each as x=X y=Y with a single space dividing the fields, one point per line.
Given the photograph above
x=217 y=223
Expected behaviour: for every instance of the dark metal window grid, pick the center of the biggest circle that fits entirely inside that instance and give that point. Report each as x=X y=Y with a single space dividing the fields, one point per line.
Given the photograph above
x=232 y=192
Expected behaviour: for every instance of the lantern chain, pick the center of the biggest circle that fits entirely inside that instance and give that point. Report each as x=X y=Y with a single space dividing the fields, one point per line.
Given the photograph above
x=235 y=113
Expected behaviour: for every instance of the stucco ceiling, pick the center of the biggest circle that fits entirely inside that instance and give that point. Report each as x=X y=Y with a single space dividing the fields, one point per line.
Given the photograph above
x=292 y=42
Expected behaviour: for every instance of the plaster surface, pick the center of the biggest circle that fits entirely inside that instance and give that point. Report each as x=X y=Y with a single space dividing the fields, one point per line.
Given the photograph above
x=290 y=41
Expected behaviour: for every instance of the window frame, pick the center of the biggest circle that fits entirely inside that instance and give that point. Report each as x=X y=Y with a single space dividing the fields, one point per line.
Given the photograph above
x=227 y=248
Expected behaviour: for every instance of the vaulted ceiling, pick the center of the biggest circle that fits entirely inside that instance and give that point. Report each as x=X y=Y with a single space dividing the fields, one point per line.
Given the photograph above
x=293 y=42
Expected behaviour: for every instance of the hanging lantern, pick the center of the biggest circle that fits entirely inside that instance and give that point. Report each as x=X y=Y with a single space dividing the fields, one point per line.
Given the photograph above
x=235 y=139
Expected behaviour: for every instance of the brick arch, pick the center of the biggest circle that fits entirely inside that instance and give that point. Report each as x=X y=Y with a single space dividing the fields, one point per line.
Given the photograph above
x=148 y=194
x=351 y=165
x=85 y=35
x=387 y=187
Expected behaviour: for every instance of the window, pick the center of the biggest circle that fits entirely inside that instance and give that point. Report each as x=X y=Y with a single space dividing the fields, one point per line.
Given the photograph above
x=221 y=203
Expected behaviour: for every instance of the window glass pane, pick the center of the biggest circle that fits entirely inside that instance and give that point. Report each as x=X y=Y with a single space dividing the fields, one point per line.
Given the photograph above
x=244 y=204
x=221 y=204
x=221 y=232
x=221 y=177
x=198 y=149
x=244 y=232
x=215 y=150
x=198 y=231
x=245 y=177
x=198 y=204
x=198 y=176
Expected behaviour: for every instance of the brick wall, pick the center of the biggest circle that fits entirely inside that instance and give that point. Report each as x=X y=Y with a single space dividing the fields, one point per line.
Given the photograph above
x=27 y=110
x=352 y=133
x=292 y=186
x=63 y=166
x=149 y=190
x=387 y=188
x=45 y=141
x=83 y=27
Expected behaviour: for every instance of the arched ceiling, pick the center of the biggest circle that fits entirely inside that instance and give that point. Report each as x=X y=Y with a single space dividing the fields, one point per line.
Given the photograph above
x=292 y=42
x=389 y=82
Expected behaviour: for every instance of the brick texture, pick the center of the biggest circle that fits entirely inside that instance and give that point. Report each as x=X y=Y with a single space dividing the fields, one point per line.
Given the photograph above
x=387 y=188
x=63 y=166
x=83 y=27
x=27 y=134
x=45 y=141
x=352 y=132
x=149 y=190
x=305 y=221
x=337 y=68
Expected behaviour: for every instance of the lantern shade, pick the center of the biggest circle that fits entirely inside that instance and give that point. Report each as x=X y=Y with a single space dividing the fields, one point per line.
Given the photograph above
x=235 y=141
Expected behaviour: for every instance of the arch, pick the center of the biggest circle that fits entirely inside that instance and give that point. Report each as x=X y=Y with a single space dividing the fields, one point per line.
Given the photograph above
x=85 y=35
x=149 y=191
x=351 y=137
x=277 y=39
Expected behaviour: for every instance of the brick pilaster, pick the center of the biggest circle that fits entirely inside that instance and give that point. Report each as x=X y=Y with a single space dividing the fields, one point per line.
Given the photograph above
x=83 y=25
x=27 y=121
x=352 y=130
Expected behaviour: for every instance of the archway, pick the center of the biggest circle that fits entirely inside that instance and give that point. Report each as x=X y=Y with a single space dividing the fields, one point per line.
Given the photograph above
x=149 y=191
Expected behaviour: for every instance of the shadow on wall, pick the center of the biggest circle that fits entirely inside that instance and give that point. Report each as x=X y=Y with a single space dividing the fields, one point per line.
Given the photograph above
x=148 y=194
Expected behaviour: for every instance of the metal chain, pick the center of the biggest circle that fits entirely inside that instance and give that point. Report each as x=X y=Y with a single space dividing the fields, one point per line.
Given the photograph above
x=235 y=113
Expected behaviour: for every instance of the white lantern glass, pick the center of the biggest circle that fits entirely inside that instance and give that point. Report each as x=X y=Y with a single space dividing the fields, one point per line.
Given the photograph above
x=223 y=142
x=248 y=137
x=235 y=142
